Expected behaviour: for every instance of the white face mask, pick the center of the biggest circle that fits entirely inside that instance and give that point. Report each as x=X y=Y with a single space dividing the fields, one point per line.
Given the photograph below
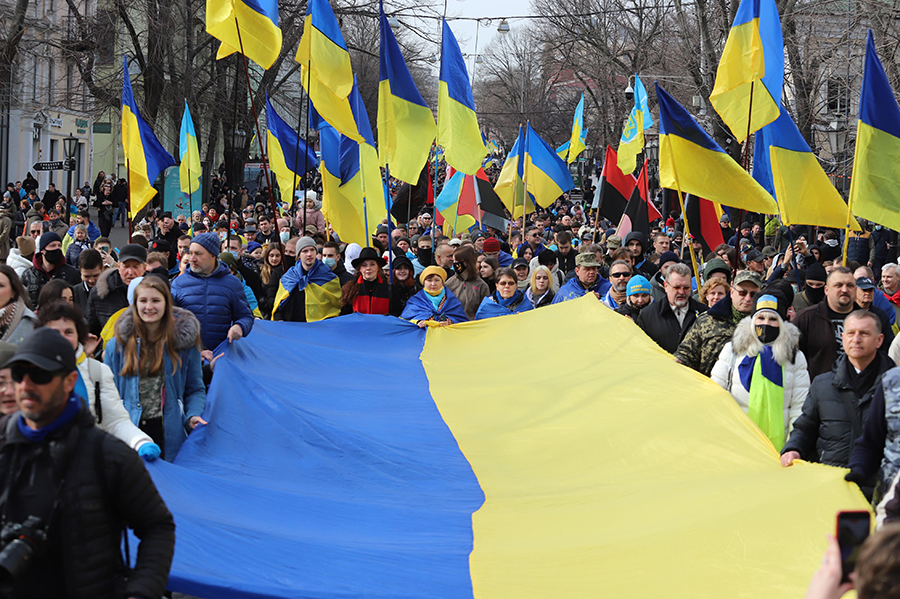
x=831 y=242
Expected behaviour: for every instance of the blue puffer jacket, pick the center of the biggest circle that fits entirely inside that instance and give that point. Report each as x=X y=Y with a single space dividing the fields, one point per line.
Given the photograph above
x=184 y=393
x=218 y=302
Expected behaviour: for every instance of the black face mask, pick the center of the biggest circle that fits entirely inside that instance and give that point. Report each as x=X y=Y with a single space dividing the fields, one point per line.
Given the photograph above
x=459 y=268
x=289 y=261
x=766 y=332
x=53 y=256
x=815 y=295
x=424 y=256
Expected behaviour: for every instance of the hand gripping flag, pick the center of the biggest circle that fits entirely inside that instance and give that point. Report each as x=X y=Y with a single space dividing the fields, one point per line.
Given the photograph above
x=458 y=130
x=189 y=170
x=875 y=187
x=691 y=162
x=289 y=156
x=579 y=134
x=144 y=155
x=752 y=61
x=259 y=35
x=632 y=142
x=406 y=126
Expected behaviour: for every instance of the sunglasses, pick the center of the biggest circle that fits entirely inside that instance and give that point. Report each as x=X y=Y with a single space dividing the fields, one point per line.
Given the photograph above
x=38 y=376
x=743 y=292
x=505 y=283
x=618 y=275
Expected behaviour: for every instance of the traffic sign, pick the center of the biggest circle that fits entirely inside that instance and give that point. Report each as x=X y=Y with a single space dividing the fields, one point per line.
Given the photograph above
x=58 y=165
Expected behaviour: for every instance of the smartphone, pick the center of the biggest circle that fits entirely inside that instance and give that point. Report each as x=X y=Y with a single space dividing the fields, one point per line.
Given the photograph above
x=852 y=529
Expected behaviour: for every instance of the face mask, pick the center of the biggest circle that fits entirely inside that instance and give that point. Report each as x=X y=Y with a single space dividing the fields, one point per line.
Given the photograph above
x=329 y=262
x=284 y=236
x=424 y=256
x=831 y=242
x=459 y=268
x=233 y=254
x=289 y=261
x=815 y=295
x=53 y=256
x=766 y=333
x=877 y=227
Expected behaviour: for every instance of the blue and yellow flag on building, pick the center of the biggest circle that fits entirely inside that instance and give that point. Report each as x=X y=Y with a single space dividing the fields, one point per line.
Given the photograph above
x=510 y=187
x=289 y=156
x=406 y=127
x=875 y=186
x=189 y=169
x=692 y=162
x=632 y=142
x=145 y=157
x=260 y=35
x=577 y=141
x=752 y=61
x=546 y=174
x=458 y=131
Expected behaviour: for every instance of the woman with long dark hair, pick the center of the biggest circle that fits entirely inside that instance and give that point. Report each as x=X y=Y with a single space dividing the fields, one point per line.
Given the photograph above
x=467 y=284
x=269 y=275
x=16 y=318
x=369 y=292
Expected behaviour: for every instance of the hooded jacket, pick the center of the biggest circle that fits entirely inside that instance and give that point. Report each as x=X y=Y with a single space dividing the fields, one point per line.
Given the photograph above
x=184 y=394
x=18 y=263
x=217 y=300
x=644 y=266
x=107 y=297
x=35 y=277
x=702 y=345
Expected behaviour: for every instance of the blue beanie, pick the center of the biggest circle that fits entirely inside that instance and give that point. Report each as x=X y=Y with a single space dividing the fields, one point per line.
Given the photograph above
x=637 y=284
x=253 y=245
x=209 y=241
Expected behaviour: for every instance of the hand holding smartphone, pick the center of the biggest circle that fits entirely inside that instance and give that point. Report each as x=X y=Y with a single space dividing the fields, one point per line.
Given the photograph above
x=852 y=530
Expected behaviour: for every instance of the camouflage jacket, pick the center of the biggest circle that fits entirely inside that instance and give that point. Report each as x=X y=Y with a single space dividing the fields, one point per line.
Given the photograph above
x=704 y=342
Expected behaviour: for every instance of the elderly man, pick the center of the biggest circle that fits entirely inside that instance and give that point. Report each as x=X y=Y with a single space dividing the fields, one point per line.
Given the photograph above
x=890 y=284
x=309 y=291
x=878 y=299
x=657 y=282
x=701 y=347
x=669 y=320
x=587 y=279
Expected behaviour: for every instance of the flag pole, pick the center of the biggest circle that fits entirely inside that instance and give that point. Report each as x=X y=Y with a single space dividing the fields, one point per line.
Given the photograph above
x=849 y=207
x=387 y=203
x=687 y=229
x=524 y=184
x=130 y=216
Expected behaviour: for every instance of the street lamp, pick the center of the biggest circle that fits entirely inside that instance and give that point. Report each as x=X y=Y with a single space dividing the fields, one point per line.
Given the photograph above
x=837 y=138
x=652 y=151
x=237 y=146
x=503 y=27
x=70 y=146
x=629 y=92
x=589 y=161
x=394 y=22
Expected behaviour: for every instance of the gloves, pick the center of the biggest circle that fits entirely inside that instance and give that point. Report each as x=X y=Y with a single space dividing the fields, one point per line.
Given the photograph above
x=149 y=451
x=855 y=476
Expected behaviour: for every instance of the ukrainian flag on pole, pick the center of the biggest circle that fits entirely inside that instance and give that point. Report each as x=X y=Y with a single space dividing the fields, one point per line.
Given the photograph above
x=752 y=63
x=690 y=161
x=509 y=187
x=579 y=134
x=458 y=130
x=289 y=156
x=189 y=171
x=260 y=35
x=144 y=155
x=874 y=188
x=546 y=174
x=406 y=126
x=632 y=142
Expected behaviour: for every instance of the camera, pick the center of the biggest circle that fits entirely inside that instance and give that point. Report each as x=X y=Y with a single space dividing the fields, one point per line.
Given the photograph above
x=20 y=542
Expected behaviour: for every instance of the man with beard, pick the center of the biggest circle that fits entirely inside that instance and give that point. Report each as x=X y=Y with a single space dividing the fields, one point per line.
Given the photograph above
x=637 y=297
x=669 y=320
x=619 y=274
x=48 y=264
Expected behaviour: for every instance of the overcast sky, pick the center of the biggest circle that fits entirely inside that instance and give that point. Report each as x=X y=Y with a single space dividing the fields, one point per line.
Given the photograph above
x=465 y=30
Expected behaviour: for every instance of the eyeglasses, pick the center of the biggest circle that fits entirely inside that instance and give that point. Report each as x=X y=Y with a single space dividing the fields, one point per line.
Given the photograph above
x=38 y=376
x=505 y=283
x=619 y=275
x=742 y=292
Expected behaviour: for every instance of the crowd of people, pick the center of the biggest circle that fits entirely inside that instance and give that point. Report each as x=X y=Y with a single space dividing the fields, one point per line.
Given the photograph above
x=127 y=338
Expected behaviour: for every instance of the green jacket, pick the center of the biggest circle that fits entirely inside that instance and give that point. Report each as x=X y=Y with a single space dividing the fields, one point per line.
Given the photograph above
x=704 y=341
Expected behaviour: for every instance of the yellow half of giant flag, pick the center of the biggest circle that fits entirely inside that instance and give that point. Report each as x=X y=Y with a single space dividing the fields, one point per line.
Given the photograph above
x=618 y=484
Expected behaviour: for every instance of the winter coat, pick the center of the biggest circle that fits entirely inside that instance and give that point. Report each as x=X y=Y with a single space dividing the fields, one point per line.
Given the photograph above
x=108 y=296
x=644 y=267
x=626 y=309
x=270 y=289
x=35 y=277
x=787 y=354
x=313 y=217
x=74 y=250
x=544 y=300
x=217 y=300
x=657 y=287
x=702 y=345
x=661 y=324
x=824 y=432
x=469 y=291
x=114 y=418
x=26 y=325
x=861 y=247
x=106 y=489
x=491 y=308
x=184 y=394
x=5 y=232
x=400 y=294
x=17 y=262
x=881 y=238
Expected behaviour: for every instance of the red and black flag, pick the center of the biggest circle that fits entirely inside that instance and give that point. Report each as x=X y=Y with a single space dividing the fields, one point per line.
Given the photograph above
x=703 y=222
x=639 y=212
x=615 y=189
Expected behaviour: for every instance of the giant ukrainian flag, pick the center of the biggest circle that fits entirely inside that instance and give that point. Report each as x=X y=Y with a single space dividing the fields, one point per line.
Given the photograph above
x=406 y=126
x=692 y=162
x=458 y=130
x=429 y=476
x=546 y=175
x=144 y=155
x=259 y=35
x=875 y=186
x=289 y=156
x=752 y=62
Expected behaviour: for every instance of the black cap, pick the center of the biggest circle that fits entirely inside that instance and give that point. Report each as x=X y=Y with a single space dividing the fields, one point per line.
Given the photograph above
x=519 y=262
x=84 y=213
x=865 y=283
x=46 y=349
x=754 y=256
x=745 y=225
x=159 y=245
x=166 y=214
x=133 y=251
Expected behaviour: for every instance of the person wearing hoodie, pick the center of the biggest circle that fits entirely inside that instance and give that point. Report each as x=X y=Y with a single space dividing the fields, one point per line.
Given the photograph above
x=20 y=256
x=764 y=369
x=540 y=293
x=701 y=347
x=48 y=264
x=466 y=284
x=637 y=297
x=814 y=289
x=634 y=242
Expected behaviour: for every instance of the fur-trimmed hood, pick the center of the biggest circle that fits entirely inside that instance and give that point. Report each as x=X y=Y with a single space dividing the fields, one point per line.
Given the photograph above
x=108 y=280
x=784 y=349
x=187 y=327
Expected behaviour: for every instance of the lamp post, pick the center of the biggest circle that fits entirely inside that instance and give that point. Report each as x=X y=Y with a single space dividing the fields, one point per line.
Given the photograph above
x=837 y=139
x=652 y=151
x=237 y=147
x=70 y=145
x=589 y=161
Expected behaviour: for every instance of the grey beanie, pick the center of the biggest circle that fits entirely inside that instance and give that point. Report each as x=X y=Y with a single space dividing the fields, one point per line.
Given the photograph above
x=306 y=242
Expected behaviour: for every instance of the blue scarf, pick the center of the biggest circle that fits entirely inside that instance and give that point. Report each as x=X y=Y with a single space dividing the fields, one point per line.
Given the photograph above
x=436 y=299
x=36 y=436
x=506 y=303
x=770 y=369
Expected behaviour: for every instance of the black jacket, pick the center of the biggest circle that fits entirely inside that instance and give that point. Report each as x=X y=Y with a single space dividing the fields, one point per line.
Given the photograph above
x=108 y=296
x=106 y=488
x=661 y=324
x=270 y=290
x=35 y=277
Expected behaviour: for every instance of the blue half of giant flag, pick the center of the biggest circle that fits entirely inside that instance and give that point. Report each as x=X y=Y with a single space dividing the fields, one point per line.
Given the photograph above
x=406 y=127
x=579 y=133
x=874 y=188
x=510 y=187
x=546 y=174
x=189 y=169
x=260 y=35
x=458 y=130
x=144 y=155
x=289 y=156
x=690 y=161
x=632 y=142
x=323 y=50
x=804 y=193
x=752 y=64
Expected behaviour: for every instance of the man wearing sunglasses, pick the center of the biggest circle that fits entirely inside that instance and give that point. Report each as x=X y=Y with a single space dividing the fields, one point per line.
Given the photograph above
x=73 y=488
